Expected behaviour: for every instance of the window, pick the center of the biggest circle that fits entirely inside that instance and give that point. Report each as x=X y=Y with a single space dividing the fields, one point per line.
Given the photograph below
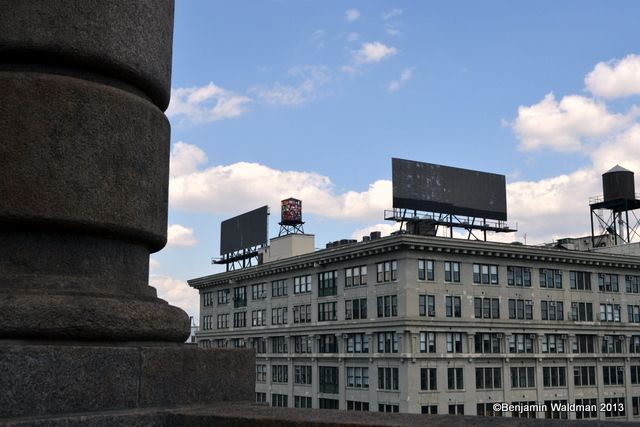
x=452 y=306
x=357 y=343
x=302 y=344
x=355 y=309
x=612 y=343
x=552 y=409
x=452 y=271
x=455 y=378
x=635 y=405
x=259 y=344
x=279 y=345
x=485 y=274
x=427 y=342
x=488 y=343
x=425 y=269
x=582 y=311
x=518 y=276
x=428 y=379
x=584 y=344
x=240 y=296
x=223 y=321
x=525 y=409
x=553 y=343
x=382 y=407
x=355 y=276
x=613 y=375
x=207 y=299
x=223 y=296
x=580 y=280
x=328 y=377
x=427 y=305
x=429 y=409
x=303 y=374
x=328 y=344
x=258 y=317
x=523 y=377
x=634 y=344
x=207 y=322
x=487 y=410
x=279 y=400
x=279 y=373
x=302 y=284
x=328 y=403
x=302 y=313
x=388 y=306
x=219 y=343
x=354 y=405
x=586 y=408
x=635 y=374
x=387 y=342
x=614 y=407
x=238 y=343
x=633 y=313
x=521 y=343
x=486 y=308
x=240 y=319
x=520 y=309
x=279 y=316
x=551 y=310
x=554 y=376
x=632 y=284
x=387 y=271
x=584 y=376
x=607 y=282
x=454 y=342
x=327 y=311
x=358 y=377
x=550 y=278
x=388 y=378
x=488 y=378
x=258 y=292
x=261 y=397
x=302 y=402
x=610 y=312
x=327 y=283
x=456 y=409
x=279 y=288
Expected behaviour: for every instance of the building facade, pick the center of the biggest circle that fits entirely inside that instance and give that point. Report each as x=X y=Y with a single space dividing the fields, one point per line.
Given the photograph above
x=436 y=325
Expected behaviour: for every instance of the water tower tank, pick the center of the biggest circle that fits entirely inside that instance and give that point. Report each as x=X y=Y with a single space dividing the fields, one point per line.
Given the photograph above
x=618 y=183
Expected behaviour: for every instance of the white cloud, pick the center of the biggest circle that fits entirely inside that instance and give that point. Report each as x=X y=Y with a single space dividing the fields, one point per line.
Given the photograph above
x=154 y=264
x=391 y=14
x=405 y=76
x=348 y=69
x=564 y=125
x=232 y=188
x=392 y=30
x=615 y=79
x=373 y=52
x=206 y=103
x=179 y=235
x=352 y=15
x=312 y=77
x=177 y=292
x=317 y=38
x=185 y=158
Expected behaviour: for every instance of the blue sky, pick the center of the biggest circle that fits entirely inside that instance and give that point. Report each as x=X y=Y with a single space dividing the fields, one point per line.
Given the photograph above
x=312 y=99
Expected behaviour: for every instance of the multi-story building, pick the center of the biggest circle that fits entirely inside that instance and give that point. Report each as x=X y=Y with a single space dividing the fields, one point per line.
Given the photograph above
x=435 y=325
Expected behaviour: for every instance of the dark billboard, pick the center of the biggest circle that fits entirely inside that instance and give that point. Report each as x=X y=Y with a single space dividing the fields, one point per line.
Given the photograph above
x=444 y=189
x=244 y=231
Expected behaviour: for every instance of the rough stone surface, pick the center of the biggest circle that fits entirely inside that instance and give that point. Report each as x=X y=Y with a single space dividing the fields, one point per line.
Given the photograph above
x=82 y=156
x=127 y=40
x=39 y=380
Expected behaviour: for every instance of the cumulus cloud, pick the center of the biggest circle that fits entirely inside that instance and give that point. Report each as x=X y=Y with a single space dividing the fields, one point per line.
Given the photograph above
x=405 y=76
x=154 y=264
x=176 y=292
x=352 y=15
x=229 y=188
x=179 y=235
x=185 y=158
x=564 y=125
x=206 y=104
x=615 y=79
x=311 y=78
x=373 y=52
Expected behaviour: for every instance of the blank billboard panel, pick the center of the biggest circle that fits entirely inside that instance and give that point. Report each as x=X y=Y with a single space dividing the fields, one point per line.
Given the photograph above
x=444 y=189
x=244 y=231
